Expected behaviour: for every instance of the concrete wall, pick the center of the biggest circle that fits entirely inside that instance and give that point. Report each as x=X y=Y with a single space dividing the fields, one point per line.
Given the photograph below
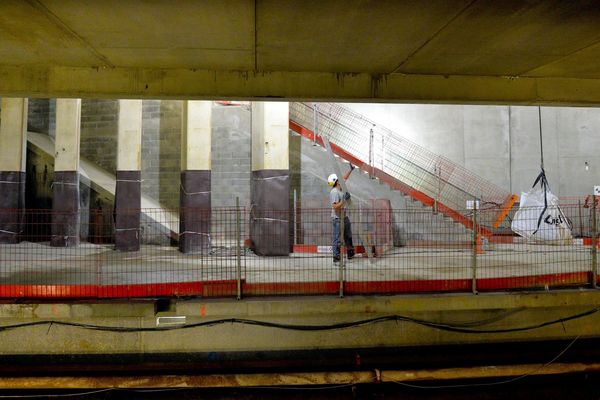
x=161 y=143
x=42 y=116
x=99 y=120
x=501 y=143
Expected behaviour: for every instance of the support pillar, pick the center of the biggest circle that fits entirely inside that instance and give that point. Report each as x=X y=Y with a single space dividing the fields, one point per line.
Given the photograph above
x=270 y=190
x=13 y=150
x=128 y=192
x=65 y=200
x=194 y=199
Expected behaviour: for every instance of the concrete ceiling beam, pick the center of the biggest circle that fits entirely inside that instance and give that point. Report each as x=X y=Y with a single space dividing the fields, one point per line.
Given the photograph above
x=122 y=83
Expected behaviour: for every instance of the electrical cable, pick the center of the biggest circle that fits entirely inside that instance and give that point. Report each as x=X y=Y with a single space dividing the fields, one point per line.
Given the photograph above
x=37 y=396
x=169 y=389
x=514 y=379
x=458 y=328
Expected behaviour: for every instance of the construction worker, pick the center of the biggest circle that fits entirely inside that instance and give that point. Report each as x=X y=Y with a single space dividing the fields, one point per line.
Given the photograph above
x=338 y=199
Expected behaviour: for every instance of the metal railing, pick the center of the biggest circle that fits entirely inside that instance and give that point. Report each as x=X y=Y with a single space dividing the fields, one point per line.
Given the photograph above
x=439 y=178
x=412 y=251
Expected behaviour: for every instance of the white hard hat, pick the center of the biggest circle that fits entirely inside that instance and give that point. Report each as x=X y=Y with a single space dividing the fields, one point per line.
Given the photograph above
x=332 y=179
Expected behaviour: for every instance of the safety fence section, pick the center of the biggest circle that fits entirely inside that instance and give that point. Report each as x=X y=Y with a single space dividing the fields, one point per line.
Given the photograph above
x=428 y=177
x=383 y=251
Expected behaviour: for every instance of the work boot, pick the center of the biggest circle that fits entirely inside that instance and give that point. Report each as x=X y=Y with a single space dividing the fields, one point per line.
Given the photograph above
x=336 y=260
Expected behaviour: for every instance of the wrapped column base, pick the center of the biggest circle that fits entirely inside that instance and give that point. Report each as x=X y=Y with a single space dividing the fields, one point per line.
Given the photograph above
x=195 y=212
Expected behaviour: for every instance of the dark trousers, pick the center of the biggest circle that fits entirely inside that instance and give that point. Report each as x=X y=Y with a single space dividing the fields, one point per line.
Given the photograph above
x=347 y=237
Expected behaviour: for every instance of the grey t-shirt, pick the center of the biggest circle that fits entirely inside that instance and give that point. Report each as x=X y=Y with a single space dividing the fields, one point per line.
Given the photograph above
x=335 y=196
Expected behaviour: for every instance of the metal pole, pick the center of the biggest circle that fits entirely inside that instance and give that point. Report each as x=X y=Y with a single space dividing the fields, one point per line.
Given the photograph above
x=474 y=252
x=382 y=152
x=341 y=239
x=238 y=250
x=541 y=141
x=594 y=244
x=371 y=153
x=315 y=122
x=295 y=218
x=580 y=218
x=438 y=170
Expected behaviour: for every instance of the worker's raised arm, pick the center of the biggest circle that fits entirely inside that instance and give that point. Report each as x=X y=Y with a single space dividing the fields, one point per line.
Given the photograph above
x=349 y=172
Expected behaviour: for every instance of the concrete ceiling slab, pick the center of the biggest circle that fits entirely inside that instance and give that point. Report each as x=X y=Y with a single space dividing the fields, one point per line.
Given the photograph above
x=164 y=34
x=29 y=36
x=583 y=64
x=345 y=36
x=509 y=38
x=303 y=49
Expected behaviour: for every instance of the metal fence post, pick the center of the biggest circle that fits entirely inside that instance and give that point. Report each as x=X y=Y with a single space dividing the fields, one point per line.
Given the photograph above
x=437 y=169
x=315 y=122
x=594 y=244
x=295 y=218
x=371 y=155
x=580 y=217
x=238 y=249
x=382 y=152
x=342 y=244
x=474 y=250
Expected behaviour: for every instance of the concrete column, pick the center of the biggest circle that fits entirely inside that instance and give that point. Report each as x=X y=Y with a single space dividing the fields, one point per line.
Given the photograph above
x=13 y=150
x=128 y=193
x=65 y=200
x=270 y=190
x=195 y=205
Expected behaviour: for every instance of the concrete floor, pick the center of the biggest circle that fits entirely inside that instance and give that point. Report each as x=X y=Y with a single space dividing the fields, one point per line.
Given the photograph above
x=38 y=263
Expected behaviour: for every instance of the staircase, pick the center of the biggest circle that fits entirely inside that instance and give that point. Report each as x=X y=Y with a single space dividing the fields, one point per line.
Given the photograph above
x=425 y=177
x=413 y=222
x=155 y=218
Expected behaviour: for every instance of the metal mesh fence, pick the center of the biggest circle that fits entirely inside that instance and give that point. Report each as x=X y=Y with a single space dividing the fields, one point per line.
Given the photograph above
x=395 y=251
